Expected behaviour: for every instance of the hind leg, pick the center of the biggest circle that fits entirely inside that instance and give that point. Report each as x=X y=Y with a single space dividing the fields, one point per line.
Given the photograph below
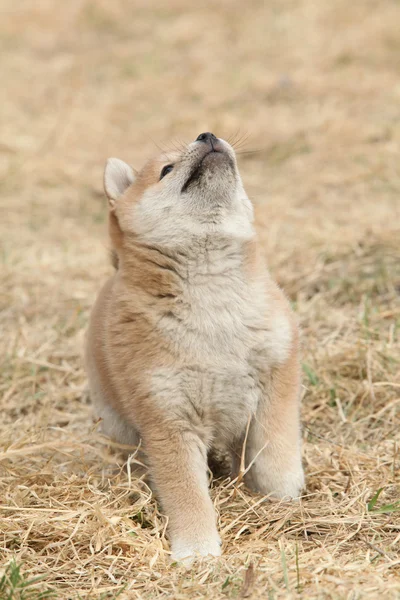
x=274 y=438
x=112 y=424
x=115 y=427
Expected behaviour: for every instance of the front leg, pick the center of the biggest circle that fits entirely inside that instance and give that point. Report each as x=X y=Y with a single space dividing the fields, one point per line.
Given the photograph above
x=178 y=467
x=275 y=436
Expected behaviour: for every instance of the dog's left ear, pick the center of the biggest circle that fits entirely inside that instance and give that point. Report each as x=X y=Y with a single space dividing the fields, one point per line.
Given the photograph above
x=118 y=176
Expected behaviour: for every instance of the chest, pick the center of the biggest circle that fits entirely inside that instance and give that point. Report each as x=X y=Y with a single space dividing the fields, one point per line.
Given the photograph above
x=217 y=402
x=216 y=319
x=221 y=332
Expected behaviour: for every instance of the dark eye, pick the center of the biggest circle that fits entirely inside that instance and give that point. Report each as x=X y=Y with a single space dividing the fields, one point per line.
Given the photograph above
x=165 y=170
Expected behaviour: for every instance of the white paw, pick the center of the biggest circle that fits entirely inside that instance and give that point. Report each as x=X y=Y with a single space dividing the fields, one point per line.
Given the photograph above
x=278 y=484
x=186 y=551
x=290 y=485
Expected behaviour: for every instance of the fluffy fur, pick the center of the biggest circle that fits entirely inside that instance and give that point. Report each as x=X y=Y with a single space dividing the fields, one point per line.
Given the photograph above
x=191 y=340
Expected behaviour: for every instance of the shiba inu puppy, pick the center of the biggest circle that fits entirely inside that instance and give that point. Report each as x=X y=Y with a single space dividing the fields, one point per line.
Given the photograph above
x=190 y=342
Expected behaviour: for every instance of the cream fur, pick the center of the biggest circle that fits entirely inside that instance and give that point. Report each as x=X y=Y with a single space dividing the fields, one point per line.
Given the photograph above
x=191 y=338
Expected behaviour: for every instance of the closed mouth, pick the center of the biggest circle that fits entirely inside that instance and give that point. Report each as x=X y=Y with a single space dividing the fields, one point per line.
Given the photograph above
x=195 y=174
x=198 y=169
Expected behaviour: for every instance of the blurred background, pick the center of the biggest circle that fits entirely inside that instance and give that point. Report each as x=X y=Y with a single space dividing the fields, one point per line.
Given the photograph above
x=312 y=86
x=311 y=92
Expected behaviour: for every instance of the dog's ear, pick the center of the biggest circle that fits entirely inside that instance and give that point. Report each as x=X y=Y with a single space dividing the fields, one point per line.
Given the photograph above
x=118 y=176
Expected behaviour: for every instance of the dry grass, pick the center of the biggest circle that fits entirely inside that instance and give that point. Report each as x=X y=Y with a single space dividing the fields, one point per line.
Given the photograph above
x=315 y=85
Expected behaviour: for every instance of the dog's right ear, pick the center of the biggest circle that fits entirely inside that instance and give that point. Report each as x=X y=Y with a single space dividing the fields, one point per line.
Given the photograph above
x=118 y=176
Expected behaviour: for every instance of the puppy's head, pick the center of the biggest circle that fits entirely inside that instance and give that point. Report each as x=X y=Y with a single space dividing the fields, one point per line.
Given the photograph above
x=178 y=195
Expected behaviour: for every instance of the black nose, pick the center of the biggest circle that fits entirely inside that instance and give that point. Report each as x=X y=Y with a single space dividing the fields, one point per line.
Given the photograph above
x=207 y=138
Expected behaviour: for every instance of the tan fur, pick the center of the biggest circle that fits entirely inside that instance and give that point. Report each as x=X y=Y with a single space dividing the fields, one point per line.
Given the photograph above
x=191 y=338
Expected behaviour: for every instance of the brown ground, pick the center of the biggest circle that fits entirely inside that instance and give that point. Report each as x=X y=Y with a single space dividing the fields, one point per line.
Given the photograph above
x=315 y=86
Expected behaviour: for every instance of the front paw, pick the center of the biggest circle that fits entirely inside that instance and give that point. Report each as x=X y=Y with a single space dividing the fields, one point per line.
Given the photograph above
x=287 y=485
x=187 y=549
x=279 y=484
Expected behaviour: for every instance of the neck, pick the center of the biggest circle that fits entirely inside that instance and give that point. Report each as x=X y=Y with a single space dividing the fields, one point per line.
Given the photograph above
x=163 y=271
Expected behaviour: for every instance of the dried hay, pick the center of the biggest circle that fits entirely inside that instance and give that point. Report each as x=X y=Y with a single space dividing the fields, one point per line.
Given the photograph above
x=316 y=86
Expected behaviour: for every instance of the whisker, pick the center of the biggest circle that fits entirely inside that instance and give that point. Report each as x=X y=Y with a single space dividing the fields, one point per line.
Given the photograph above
x=174 y=147
x=227 y=138
x=237 y=137
x=256 y=151
x=232 y=136
x=179 y=145
x=241 y=141
x=163 y=148
x=156 y=144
